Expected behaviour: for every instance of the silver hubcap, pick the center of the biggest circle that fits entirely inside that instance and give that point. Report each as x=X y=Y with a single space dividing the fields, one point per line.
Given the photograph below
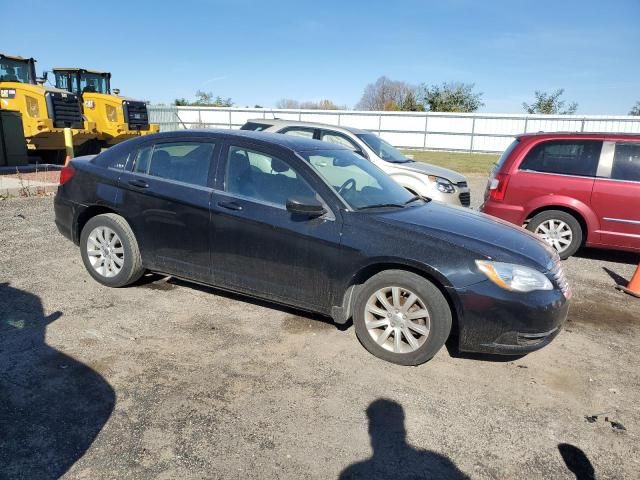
x=556 y=233
x=397 y=319
x=105 y=251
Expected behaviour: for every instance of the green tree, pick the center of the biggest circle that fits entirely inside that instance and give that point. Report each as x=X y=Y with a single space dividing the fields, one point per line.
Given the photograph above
x=451 y=97
x=205 y=99
x=181 y=102
x=635 y=111
x=550 y=103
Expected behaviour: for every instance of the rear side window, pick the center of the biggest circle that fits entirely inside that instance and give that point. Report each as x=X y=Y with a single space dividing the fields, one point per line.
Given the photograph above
x=187 y=162
x=256 y=127
x=626 y=162
x=114 y=158
x=566 y=157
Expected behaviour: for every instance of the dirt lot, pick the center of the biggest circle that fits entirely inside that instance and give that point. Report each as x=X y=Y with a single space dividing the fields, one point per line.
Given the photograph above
x=168 y=380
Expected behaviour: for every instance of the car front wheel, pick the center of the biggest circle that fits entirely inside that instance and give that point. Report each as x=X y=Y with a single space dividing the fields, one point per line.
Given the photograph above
x=110 y=251
x=401 y=317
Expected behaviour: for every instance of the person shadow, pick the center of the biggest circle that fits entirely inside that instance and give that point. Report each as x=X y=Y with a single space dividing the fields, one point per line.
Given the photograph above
x=577 y=462
x=393 y=457
x=52 y=407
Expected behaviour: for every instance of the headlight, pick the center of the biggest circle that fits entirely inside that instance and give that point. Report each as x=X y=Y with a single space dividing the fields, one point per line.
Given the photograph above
x=112 y=114
x=442 y=184
x=33 y=109
x=513 y=277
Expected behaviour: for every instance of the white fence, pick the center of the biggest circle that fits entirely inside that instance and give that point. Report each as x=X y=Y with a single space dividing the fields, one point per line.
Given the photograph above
x=473 y=132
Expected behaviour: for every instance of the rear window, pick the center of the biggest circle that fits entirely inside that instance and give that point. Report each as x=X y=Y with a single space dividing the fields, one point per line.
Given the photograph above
x=626 y=162
x=506 y=154
x=565 y=157
x=256 y=127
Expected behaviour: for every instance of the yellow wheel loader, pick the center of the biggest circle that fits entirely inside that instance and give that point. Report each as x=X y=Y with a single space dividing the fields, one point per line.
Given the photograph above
x=117 y=118
x=46 y=111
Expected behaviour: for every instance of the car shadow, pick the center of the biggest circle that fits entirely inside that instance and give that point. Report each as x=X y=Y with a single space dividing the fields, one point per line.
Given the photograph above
x=615 y=256
x=394 y=458
x=577 y=462
x=52 y=407
x=161 y=282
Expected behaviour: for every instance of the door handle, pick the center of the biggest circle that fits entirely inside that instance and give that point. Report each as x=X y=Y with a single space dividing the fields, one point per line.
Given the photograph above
x=230 y=206
x=138 y=183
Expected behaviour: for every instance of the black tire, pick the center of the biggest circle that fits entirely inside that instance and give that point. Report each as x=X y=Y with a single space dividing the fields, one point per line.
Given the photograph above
x=567 y=218
x=131 y=269
x=432 y=298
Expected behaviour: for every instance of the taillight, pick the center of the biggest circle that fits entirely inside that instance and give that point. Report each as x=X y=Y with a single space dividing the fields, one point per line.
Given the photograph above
x=498 y=186
x=66 y=174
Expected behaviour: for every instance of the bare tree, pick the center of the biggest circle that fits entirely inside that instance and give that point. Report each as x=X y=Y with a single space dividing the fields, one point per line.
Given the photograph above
x=385 y=94
x=550 y=103
x=324 y=104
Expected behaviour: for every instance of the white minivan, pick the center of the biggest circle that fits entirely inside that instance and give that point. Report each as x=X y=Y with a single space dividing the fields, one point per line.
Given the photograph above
x=419 y=178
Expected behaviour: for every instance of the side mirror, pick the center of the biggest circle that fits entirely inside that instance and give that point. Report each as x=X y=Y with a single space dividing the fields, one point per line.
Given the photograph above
x=307 y=206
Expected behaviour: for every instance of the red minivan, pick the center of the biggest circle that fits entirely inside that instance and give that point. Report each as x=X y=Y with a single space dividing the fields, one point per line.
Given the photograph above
x=572 y=189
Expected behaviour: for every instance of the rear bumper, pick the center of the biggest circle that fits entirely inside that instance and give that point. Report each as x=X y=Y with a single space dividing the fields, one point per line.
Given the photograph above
x=497 y=321
x=511 y=213
x=66 y=213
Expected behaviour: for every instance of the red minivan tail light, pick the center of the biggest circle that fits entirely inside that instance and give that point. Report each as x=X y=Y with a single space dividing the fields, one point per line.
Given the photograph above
x=498 y=186
x=66 y=174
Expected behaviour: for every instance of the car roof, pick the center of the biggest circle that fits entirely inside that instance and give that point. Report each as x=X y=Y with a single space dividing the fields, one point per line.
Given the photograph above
x=281 y=122
x=294 y=143
x=578 y=135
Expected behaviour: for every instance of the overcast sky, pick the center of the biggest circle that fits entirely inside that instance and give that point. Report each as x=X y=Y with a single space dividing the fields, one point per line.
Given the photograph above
x=257 y=52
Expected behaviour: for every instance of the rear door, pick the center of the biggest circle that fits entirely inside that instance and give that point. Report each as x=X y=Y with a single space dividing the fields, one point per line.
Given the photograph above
x=166 y=196
x=258 y=246
x=616 y=195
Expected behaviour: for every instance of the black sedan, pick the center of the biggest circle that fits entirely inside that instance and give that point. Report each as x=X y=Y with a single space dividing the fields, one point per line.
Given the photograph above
x=312 y=225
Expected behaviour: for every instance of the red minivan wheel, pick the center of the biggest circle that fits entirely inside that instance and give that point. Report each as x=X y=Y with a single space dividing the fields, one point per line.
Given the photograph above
x=559 y=229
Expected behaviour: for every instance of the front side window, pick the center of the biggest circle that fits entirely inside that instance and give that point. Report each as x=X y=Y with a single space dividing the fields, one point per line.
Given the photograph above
x=360 y=183
x=338 y=139
x=187 y=162
x=566 y=157
x=626 y=162
x=382 y=149
x=262 y=177
x=299 y=132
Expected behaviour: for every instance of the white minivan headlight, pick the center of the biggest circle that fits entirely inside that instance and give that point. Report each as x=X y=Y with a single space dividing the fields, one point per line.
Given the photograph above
x=517 y=278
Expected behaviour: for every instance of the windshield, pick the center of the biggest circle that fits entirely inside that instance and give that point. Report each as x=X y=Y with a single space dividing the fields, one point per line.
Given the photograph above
x=384 y=150
x=14 y=71
x=90 y=82
x=359 y=182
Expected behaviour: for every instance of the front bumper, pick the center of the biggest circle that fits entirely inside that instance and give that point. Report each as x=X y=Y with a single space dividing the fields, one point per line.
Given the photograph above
x=497 y=321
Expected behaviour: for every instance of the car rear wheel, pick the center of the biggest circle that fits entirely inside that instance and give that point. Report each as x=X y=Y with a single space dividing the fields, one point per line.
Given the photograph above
x=402 y=318
x=559 y=229
x=110 y=251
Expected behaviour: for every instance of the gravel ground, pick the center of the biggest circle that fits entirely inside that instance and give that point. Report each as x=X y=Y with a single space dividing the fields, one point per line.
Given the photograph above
x=169 y=380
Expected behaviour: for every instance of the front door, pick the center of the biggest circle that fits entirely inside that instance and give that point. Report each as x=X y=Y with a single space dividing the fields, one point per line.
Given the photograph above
x=166 y=195
x=616 y=195
x=258 y=246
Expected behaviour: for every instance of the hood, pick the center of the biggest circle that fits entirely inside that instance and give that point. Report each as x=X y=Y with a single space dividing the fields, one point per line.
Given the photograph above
x=489 y=237
x=428 y=169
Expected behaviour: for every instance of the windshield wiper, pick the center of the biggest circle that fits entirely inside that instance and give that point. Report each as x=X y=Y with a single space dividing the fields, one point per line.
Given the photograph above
x=381 y=205
x=413 y=199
